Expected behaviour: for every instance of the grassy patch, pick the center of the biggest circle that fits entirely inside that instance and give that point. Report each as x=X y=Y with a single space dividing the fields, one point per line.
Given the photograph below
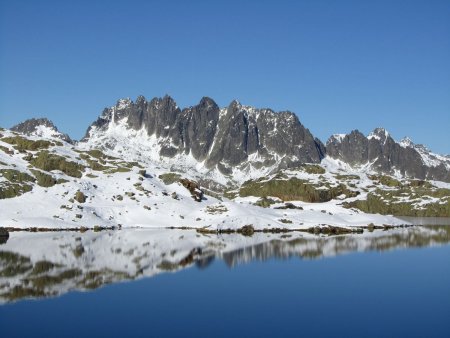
x=128 y=165
x=346 y=177
x=391 y=202
x=98 y=154
x=44 y=180
x=117 y=170
x=47 y=161
x=18 y=183
x=16 y=176
x=169 y=178
x=10 y=190
x=294 y=189
x=386 y=180
x=313 y=169
x=95 y=165
x=22 y=144
x=42 y=266
x=265 y=202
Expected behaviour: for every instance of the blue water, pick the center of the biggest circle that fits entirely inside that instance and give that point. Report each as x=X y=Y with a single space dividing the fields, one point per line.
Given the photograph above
x=400 y=293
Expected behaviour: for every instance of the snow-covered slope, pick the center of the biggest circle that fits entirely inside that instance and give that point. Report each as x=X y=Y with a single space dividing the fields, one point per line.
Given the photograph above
x=89 y=188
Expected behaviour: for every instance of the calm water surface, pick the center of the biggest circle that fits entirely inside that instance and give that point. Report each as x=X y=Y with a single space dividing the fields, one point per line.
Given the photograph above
x=180 y=284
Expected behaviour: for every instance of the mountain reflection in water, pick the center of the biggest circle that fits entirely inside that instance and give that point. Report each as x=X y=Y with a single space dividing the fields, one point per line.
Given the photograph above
x=35 y=265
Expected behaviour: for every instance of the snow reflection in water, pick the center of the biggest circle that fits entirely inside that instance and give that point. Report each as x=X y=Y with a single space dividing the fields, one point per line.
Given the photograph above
x=35 y=265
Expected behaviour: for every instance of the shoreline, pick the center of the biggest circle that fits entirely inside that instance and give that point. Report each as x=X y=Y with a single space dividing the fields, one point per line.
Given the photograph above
x=246 y=230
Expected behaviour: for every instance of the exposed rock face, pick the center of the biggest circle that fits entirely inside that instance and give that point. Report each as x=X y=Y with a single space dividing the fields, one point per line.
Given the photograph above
x=223 y=138
x=41 y=127
x=383 y=154
x=194 y=188
x=351 y=148
x=242 y=137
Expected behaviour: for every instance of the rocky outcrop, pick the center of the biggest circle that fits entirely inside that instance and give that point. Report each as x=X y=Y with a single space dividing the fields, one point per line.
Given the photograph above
x=383 y=154
x=223 y=138
x=194 y=188
x=4 y=235
x=40 y=127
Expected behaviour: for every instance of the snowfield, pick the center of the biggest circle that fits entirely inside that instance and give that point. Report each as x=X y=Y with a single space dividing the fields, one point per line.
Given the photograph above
x=129 y=199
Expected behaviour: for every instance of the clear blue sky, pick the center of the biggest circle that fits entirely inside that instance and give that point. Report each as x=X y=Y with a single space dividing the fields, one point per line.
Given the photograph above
x=340 y=65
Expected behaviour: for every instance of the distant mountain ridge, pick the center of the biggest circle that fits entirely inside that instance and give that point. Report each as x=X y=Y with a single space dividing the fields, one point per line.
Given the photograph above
x=243 y=138
x=41 y=127
x=381 y=153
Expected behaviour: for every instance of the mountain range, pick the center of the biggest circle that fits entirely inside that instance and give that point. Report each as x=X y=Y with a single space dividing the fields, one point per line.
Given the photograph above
x=238 y=168
x=240 y=141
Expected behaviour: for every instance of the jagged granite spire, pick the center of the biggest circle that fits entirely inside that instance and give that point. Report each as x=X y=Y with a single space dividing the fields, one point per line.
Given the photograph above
x=223 y=138
x=245 y=137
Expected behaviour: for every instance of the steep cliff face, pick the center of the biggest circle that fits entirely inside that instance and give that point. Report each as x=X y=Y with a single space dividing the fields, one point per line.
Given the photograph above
x=221 y=138
x=383 y=154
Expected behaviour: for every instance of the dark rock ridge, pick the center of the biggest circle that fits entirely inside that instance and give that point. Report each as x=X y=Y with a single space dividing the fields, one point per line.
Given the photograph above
x=387 y=156
x=223 y=138
x=236 y=136
x=31 y=127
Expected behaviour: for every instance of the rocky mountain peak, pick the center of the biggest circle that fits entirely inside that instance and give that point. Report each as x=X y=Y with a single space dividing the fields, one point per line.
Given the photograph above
x=380 y=134
x=239 y=138
x=236 y=136
x=141 y=99
x=123 y=103
x=207 y=102
x=406 y=142
x=380 y=152
x=41 y=127
x=168 y=100
x=235 y=104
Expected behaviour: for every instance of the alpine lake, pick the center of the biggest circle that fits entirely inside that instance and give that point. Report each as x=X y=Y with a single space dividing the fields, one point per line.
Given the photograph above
x=181 y=283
